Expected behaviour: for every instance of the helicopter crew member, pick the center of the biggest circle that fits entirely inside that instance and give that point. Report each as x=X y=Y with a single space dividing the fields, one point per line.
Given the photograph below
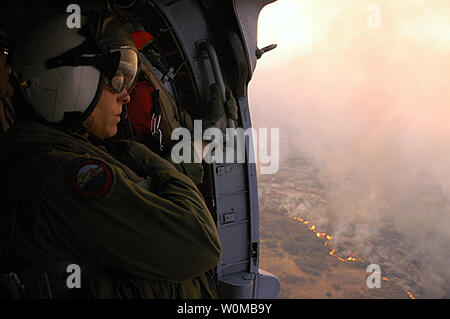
x=137 y=227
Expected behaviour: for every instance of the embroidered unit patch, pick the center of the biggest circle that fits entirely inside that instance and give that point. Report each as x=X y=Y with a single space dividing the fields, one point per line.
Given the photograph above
x=91 y=178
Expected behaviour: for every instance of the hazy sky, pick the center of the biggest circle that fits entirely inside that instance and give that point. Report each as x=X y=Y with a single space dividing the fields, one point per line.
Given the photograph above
x=361 y=89
x=304 y=26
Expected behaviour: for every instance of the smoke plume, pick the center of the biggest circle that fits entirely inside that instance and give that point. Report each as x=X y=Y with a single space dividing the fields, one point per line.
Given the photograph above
x=370 y=110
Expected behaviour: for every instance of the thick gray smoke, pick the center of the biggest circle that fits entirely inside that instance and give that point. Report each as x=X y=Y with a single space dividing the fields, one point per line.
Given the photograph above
x=374 y=120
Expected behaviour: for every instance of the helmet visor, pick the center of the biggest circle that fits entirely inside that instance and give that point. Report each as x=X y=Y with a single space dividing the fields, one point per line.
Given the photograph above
x=126 y=72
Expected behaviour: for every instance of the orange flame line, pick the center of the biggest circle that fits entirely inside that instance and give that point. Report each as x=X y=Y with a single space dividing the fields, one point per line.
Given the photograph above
x=410 y=295
x=322 y=235
x=328 y=237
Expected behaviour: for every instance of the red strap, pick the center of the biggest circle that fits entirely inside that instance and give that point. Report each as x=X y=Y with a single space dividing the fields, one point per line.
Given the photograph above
x=140 y=110
x=141 y=104
x=141 y=39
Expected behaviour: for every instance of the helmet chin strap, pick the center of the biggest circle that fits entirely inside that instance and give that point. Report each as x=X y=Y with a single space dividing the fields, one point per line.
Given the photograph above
x=74 y=120
x=126 y=118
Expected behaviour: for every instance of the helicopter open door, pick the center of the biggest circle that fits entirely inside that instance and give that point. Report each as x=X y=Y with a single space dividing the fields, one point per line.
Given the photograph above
x=217 y=43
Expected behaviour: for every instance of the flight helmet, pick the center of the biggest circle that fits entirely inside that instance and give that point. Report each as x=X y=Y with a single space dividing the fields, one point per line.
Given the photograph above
x=62 y=70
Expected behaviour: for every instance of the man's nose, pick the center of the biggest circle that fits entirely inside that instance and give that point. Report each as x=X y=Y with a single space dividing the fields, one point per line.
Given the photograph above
x=124 y=97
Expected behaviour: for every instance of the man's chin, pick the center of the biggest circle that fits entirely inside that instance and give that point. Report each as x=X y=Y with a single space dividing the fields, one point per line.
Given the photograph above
x=108 y=134
x=113 y=132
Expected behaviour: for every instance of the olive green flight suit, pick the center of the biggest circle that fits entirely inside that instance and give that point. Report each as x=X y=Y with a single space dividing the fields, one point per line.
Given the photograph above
x=152 y=235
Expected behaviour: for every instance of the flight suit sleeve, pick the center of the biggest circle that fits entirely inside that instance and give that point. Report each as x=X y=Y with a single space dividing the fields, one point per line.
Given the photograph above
x=164 y=234
x=135 y=154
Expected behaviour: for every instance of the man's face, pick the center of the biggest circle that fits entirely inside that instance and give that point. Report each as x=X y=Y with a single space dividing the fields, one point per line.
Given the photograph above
x=106 y=115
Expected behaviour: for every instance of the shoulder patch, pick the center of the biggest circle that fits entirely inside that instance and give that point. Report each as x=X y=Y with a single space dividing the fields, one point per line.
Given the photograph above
x=91 y=178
